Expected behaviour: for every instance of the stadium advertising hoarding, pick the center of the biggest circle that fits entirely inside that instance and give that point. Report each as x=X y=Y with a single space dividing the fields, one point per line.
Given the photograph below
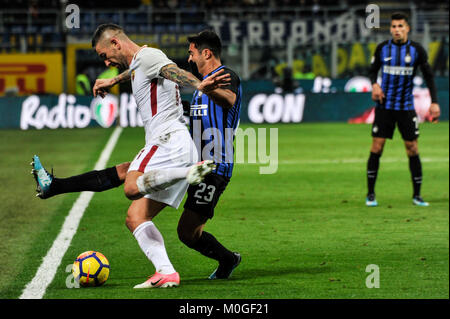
x=70 y=111
x=57 y=111
x=317 y=101
x=31 y=73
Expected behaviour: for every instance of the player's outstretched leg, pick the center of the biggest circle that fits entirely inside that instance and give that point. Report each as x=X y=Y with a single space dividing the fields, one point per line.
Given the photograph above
x=158 y=179
x=42 y=177
x=94 y=181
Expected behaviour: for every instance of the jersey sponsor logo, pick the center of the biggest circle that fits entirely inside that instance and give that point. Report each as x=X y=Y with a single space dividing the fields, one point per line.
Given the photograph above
x=398 y=70
x=199 y=110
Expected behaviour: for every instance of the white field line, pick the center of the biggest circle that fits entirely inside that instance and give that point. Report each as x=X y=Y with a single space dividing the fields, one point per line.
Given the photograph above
x=36 y=288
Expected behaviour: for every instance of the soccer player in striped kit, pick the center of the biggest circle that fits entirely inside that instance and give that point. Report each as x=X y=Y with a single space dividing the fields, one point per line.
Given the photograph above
x=398 y=59
x=166 y=148
x=213 y=121
x=160 y=173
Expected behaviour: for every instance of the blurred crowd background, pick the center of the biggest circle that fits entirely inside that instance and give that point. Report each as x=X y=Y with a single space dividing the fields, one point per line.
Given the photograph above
x=280 y=41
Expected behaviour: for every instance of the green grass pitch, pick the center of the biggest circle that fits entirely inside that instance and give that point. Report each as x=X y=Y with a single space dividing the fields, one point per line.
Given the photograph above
x=303 y=232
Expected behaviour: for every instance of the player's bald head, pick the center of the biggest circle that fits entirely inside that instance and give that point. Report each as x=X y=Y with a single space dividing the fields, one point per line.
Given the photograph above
x=107 y=31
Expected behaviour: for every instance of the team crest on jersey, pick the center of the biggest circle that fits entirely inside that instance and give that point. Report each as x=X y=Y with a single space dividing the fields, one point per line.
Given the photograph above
x=199 y=110
x=407 y=58
x=375 y=129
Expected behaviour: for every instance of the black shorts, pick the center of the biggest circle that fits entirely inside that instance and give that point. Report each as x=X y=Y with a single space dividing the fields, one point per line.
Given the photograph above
x=384 y=124
x=202 y=198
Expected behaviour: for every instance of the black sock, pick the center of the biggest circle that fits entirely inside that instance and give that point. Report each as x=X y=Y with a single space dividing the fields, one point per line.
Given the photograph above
x=94 y=181
x=208 y=246
x=372 y=171
x=415 y=166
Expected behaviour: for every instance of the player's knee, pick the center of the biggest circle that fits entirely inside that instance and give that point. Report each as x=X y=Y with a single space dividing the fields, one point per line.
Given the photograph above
x=130 y=222
x=412 y=152
x=377 y=148
x=131 y=191
x=411 y=148
x=133 y=220
x=128 y=191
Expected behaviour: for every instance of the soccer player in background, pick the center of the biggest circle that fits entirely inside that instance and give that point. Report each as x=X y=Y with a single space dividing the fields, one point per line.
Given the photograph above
x=398 y=59
x=221 y=116
x=160 y=173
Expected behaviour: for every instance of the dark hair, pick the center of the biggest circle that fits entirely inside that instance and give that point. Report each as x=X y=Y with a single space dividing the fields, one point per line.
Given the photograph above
x=399 y=16
x=101 y=29
x=207 y=39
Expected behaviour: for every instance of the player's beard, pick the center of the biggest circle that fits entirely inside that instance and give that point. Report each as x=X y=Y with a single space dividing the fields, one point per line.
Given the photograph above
x=121 y=68
x=194 y=70
x=122 y=65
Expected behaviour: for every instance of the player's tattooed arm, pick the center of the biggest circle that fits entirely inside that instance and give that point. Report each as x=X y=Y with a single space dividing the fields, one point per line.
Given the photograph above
x=123 y=77
x=181 y=77
x=102 y=86
x=185 y=78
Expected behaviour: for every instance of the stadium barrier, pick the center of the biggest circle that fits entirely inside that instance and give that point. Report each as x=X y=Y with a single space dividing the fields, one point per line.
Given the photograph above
x=260 y=104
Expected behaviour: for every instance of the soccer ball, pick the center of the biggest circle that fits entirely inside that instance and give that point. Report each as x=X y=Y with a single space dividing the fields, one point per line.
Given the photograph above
x=91 y=268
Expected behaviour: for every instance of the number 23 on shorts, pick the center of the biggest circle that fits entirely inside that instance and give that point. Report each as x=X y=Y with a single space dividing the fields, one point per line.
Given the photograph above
x=204 y=193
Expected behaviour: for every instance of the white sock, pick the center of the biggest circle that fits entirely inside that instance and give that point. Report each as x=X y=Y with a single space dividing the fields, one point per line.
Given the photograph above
x=159 y=179
x=152 y=244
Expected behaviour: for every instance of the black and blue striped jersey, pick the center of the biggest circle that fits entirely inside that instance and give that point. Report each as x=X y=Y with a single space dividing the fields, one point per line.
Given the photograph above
x=398 y=64
x=212 y=127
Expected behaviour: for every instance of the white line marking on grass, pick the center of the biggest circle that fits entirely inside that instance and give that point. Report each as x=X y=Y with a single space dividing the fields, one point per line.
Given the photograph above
x=36 y=288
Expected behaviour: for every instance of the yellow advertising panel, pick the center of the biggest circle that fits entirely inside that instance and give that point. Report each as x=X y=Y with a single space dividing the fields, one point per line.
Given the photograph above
x=71 y=63
x=38 y=73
